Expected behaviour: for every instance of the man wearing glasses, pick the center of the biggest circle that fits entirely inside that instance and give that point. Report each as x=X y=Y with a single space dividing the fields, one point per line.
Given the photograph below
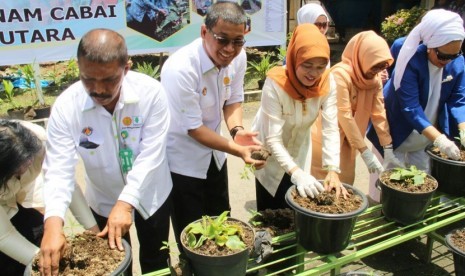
x=204 y=82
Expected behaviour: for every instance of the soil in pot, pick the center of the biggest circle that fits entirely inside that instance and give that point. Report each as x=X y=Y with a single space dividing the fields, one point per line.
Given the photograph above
x=449 y=173
x=455 y=241
x=87 y=254
x=403 y=201
x=276 y=222
x=325 y=223
x=435 y=150
x=210 y=259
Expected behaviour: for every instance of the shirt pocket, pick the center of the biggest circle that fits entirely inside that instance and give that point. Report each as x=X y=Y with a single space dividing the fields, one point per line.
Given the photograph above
x=93 y=158
x=207 y=104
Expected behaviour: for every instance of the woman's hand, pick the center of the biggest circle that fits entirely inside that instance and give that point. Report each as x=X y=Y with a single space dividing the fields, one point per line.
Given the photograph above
x=332 y=182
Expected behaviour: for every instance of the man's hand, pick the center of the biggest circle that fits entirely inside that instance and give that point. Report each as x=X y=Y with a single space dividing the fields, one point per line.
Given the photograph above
x=246 y=138
x=246 y=155
x=52 y=247
x=118 y=224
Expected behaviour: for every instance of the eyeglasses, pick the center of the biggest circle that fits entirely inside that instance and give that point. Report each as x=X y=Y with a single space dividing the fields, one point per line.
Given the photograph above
x=223 y=41
x=321 y=24
x=444 y=57
x=379 y=67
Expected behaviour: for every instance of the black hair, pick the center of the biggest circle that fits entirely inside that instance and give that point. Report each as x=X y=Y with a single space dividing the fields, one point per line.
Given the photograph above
x=18 y=145
x=229 y=12
x=103 y=46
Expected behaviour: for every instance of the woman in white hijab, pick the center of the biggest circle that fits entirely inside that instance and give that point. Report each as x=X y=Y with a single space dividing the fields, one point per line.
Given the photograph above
x=425 y=98
x=314 y=14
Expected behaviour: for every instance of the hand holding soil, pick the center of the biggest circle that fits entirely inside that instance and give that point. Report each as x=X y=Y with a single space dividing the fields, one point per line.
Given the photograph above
x=261 y=154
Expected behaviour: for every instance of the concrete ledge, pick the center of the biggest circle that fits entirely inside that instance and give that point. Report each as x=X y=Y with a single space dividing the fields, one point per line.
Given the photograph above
x=252 y=96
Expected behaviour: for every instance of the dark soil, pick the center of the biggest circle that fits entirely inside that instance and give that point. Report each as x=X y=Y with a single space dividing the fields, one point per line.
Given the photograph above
x=407 y=186
x=277 y=222
x=458 y=239
x=86 y=255
x=327 y=203
x=210 y=248
x=261 y=154
x=436 y=151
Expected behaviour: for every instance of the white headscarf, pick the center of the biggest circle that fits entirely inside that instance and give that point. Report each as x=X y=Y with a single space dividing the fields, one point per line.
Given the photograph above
x=309 y=13
x=437 y=28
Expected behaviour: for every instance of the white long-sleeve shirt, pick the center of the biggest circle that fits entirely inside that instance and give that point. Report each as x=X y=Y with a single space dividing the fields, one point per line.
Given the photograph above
x=284 y=128
x=78 y=126
x=197 y=94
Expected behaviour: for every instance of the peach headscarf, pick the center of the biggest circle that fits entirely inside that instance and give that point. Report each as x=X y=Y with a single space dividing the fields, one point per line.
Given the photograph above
x=363 y=51
x=307 y=42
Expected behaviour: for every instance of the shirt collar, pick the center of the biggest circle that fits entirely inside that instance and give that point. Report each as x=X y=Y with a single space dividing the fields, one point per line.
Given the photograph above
x=205 y=62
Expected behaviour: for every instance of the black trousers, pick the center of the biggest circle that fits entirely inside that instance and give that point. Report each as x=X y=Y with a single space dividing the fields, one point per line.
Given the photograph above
x=195 y=197
x=150 y=233
x=266 y=201
x=30 y=223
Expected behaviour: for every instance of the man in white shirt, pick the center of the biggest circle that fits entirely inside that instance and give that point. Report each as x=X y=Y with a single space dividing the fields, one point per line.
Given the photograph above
x=207 y=87
x=116 y=120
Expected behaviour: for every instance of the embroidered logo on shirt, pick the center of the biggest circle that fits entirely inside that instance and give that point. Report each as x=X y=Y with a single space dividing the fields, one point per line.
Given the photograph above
x=226 y=80
x=204 y=91
x=87 y=131
x=137 y=121
x=84 y=139
x=127 y=121
x=124 y=134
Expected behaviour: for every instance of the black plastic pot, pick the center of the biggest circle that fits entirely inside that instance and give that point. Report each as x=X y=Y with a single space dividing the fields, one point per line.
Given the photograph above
x=450 y=174
x=231 y=265
x=403 y=207
x=459 y=255
x=42 y=112
x=121 y=270
x=324 y=233
x=16 y=114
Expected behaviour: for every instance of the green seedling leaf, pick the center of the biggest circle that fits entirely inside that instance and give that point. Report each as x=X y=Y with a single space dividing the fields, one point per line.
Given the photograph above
x=416 y=176
x=235 y=243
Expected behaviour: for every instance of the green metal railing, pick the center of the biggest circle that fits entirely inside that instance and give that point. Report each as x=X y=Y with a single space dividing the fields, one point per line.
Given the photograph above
x=372 y=234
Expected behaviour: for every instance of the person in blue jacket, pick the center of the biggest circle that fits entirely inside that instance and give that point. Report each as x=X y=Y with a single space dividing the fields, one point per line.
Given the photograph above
x=425 y=98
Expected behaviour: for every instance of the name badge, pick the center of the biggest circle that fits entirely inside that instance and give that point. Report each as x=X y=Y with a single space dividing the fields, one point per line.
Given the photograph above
x=126 y=157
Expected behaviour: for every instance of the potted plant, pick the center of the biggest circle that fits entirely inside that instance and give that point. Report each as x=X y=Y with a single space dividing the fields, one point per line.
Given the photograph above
x=324 y=224
x=449 y=173
x=401 y=23
x=32 y=81
x=15 y=112
x=258 y=69
x=87 y=254
x=455 y=241
x=217 y=246
x=406 y=194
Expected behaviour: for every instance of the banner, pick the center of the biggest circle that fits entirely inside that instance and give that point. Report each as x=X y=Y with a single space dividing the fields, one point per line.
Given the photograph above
x=49 y=30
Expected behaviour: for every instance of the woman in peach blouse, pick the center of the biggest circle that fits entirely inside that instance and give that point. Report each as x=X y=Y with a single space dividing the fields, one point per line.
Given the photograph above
x=359 y=100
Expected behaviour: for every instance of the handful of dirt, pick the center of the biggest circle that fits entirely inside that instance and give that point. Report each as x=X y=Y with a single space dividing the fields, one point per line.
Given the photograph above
x=261 y=154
